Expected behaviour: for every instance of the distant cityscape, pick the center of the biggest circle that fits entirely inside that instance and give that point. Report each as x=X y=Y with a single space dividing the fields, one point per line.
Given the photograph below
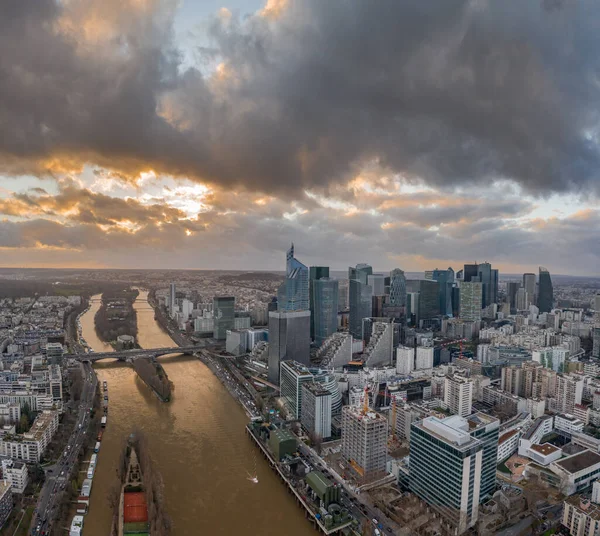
x=376 y=396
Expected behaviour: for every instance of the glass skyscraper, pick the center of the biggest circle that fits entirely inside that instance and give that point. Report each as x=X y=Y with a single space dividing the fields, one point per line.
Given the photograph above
x=324 y=296
x=545 y=291
x=224 y=316
x=293 y=293
x=445 y=279
x=360 y=298
x=315 y=273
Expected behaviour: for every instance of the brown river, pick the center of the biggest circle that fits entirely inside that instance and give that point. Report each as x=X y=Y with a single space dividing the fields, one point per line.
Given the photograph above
x=197 y=441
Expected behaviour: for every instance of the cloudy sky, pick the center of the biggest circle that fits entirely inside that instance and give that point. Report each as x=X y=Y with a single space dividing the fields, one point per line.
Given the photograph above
x=211 y=134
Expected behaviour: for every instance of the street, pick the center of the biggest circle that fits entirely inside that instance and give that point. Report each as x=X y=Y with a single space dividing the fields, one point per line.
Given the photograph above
x=59 y=474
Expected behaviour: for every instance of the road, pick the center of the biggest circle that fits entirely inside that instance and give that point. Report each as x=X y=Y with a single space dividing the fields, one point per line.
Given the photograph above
x=59 y=475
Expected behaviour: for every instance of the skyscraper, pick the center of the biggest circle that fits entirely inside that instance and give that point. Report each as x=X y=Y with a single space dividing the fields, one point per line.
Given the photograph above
x=397 y=288
x=545 y=291
x=292 y=376
x=293 y=293
x=512 y=287
x=470 y=271
x=470 y=301
x=428 y=305
x=315 y=273
x=289 y=338
x=377 y=283
x=324 y=297
x=224 y=316
x=445 y=279
x=453 y=465
x=171 y=304
x=360 y=297
x=529 y=286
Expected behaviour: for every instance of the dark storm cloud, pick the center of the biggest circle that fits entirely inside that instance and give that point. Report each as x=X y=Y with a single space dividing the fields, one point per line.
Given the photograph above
x=452 y=91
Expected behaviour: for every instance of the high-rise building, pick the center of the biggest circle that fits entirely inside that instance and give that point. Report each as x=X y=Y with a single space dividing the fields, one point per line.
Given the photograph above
x=428 y=298
x=316 y=410
x=172 y=297
x=364 y=442
x=324 y=317
x=470 y=301
x=458 y=394
x=405 y=360
x=494 y=286
x=292 y=376
x=512 y=287
x=289 y=339
x=522 y=300
x=315 y=273
x=445 y=279
x=361 y=298
x=545 y=291
x=470 y=271
x=377 y=283
x=293 y=293
x=569 y=390
x=224 y=316
x=395 y=306
x=529 y=286
x=596 y=341
x=343 y=303
x=453 y=465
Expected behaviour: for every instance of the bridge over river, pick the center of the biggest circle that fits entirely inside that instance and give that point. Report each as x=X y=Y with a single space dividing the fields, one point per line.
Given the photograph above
x=130 y=355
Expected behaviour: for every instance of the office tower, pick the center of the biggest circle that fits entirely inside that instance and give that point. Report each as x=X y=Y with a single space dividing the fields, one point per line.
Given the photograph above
x=316 y=410
x=360 y=297
x=484 y=272
x=343 y=298
x=361 y=273
x=453 y=465
x=512 y=288
x=470 y=271
x=456 y=299
x=364 y=442
x=494 y=286
x=292 y=376
x=395 y=305
x=405 y=360
x=470 y=301
x=522 y=300
x=569 y=390
x=171 y=304
x=545 y=291
x=397 y=288
x=224 y=316
x=293 y=293
x=315 y=273
x=377 y=284
x=445 y=279
x=596 y=341
x=289 y=339
x=458 y=394
x=428 y=302
x=529 y=286
x=324 y=317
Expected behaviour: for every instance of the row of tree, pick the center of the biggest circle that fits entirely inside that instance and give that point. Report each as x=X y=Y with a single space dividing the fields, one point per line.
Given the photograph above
x=108 y=325
x=154 y=376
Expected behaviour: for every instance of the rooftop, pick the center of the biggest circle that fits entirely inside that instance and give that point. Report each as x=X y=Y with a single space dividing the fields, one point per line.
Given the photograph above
x=585 y=505
x=506 y=436
x=579 y=462
x=316 y=388
x=568 y=417
x=296 y=367
x=545 y=449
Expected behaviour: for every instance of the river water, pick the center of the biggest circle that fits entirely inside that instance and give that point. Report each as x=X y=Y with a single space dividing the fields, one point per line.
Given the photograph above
x=197 y=441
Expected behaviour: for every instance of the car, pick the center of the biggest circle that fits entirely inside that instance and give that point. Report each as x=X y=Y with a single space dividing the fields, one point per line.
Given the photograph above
x=375 y=522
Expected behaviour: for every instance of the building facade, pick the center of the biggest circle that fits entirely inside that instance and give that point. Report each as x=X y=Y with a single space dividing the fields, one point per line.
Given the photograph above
x=224 y=316
x=289 y=339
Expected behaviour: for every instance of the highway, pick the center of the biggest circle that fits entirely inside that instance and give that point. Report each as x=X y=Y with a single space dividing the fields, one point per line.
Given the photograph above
x=58 y=476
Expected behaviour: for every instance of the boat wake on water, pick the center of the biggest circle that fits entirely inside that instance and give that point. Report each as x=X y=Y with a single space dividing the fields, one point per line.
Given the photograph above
x=253 y=479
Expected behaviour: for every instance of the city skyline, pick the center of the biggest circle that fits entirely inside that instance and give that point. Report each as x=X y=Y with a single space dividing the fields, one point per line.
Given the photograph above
x=215 y=155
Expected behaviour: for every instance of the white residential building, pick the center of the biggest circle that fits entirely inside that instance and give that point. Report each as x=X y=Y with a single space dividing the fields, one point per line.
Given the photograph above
x=458 y=395
x=15 y=473
x=567 y=424
x=405 y=360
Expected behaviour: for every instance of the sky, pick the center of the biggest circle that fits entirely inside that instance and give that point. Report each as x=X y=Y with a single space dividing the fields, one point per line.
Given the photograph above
x=206 y=134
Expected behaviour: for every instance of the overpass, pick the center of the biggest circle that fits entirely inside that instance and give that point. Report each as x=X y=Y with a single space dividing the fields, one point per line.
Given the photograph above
x=129 y=355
